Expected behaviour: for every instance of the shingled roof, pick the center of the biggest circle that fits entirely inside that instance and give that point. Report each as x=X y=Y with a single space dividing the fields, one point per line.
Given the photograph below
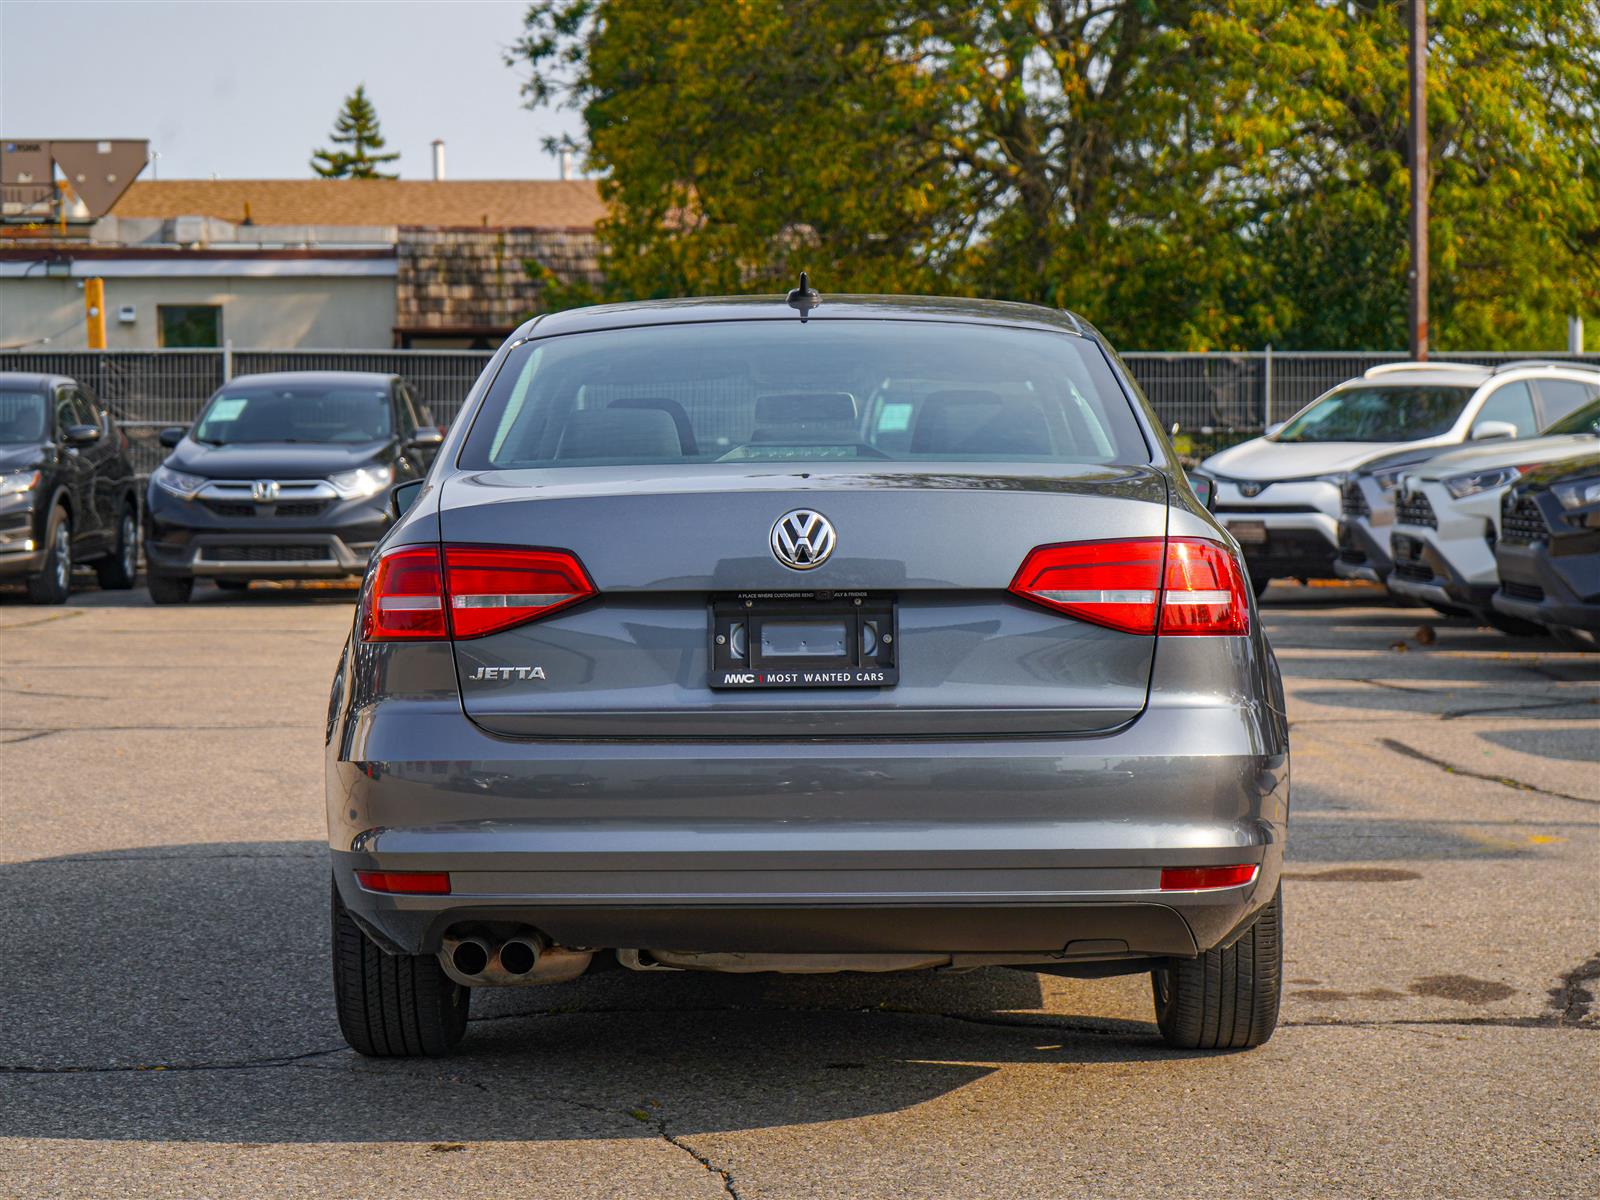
x=496 y=203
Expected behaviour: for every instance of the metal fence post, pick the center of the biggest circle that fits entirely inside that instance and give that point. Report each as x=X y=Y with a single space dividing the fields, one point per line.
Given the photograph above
x=1266 y=391
x=227 y=359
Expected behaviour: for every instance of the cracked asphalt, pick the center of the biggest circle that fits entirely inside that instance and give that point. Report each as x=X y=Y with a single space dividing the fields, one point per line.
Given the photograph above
x=166 y=1027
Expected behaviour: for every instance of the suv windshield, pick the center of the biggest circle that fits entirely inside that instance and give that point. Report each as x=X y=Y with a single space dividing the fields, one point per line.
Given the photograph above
x=783 y=391
x=22 y=418
x=1387 y=413
x=1583 y=420
x=295 y=414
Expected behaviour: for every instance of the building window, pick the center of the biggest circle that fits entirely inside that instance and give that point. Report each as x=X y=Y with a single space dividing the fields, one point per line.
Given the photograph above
x=189 y=326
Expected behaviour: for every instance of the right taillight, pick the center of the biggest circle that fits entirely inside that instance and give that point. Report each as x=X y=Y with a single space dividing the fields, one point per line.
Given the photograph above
x=1185 y=586
x=467 y=591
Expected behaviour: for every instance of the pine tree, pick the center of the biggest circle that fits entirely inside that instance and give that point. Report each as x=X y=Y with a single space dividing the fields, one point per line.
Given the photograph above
x=355 y=136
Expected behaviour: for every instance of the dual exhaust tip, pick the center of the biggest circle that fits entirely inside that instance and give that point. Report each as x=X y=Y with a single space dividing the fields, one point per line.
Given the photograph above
x=520 y=960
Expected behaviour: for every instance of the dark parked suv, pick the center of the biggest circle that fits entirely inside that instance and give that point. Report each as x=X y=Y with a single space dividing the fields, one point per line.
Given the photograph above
x=67 y=490
x=841 y=634
x=284 y=476
x=1548 y=554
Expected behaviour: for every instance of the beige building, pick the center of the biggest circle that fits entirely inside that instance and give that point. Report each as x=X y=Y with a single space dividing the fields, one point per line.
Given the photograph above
x=313 y=264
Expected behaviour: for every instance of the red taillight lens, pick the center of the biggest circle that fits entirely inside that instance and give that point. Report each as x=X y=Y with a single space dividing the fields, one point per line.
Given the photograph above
x=480 y=590
x=1191 y=585
x=1205 y=592
x=1195 y=879
x=493 y=588
x=406 y=883
x=1109 y=583
x=405 y=598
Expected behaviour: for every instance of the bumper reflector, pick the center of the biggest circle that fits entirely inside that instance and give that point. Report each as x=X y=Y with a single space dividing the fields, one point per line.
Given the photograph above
x=1195 y=879
x=406 y=883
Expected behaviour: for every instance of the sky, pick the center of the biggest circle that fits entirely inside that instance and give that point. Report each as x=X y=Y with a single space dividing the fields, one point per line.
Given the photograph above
x=245 y=89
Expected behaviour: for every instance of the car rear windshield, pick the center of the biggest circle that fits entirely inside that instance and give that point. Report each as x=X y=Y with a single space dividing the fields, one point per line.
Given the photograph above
x=822 y=391
x=1390 y=413
x=300 y=413
x=22 y=417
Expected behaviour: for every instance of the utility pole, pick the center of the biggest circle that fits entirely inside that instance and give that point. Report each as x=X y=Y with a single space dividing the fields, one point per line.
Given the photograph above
x=1418 y=139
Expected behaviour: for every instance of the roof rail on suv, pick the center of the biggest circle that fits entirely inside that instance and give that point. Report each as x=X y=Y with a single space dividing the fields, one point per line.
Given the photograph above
x=1396 y=368
x=1547 y=362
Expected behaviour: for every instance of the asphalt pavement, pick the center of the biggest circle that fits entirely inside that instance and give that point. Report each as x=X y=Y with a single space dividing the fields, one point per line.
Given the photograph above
x=166 y=1023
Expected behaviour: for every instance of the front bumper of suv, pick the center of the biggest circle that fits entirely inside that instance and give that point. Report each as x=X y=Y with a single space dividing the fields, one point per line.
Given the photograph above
x=250 y=541
x=1288 y=528
x=1444 y=554
x=1003 y=847
x=1561 y=590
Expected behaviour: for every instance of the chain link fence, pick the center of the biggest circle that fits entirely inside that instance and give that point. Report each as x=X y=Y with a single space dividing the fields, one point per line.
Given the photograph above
x=1213 y=399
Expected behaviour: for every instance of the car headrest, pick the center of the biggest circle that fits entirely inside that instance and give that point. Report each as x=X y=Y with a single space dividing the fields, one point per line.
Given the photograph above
x=673 y=409
x=971 y=421
x=619 y=433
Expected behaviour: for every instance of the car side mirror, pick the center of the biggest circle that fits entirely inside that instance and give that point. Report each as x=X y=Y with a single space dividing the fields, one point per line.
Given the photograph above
x=1205 y=489
x=171 y=436
x=81 y=435
x=403 y=495
x=426 y=439
x=1484 y=430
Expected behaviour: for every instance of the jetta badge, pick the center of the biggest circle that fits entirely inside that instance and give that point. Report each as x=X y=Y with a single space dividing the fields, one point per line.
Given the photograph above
x=264 y=491
x=1252 y=489
x=802 y=539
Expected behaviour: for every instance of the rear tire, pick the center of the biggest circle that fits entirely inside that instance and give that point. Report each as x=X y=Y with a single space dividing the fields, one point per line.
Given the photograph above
x=1226 y=999
x=170 y=589
x=116 y=571
x=393 y=1005
x=53 y=583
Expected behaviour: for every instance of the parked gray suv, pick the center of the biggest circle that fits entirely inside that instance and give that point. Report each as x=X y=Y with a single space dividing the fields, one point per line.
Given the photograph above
x=854 y=634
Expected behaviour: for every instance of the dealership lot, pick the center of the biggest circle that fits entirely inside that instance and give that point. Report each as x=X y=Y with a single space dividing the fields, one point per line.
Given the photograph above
x=166 y=1027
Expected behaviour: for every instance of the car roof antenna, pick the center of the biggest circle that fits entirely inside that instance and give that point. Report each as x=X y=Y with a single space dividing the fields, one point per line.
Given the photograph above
x=805 y=297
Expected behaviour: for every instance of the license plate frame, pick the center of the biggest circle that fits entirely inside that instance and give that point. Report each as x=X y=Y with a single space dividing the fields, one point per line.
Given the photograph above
x=871 y=640
x=1249 y=533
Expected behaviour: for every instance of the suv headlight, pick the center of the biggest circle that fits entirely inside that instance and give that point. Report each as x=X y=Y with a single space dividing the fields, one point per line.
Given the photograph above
x=1577 y=494
x=179 y=483
x=1462 y=486
x=18 y=482
x=362 y=482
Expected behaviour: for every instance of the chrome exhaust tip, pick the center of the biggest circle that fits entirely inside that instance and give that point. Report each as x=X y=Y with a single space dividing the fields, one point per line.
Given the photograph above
x=471 y=956
x=520 y=955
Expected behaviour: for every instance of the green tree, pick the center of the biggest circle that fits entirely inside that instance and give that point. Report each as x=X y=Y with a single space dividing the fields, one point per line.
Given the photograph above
x=357 y=142
x=1190 y=175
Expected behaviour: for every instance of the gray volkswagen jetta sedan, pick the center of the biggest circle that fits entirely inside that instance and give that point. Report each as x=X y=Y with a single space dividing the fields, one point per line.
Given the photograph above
x=805 y=634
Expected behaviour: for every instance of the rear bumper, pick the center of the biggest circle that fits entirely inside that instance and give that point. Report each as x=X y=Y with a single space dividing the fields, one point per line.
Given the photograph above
x=985 y=846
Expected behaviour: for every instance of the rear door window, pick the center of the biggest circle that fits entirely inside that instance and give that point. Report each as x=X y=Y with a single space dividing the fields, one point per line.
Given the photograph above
x=1511 y=402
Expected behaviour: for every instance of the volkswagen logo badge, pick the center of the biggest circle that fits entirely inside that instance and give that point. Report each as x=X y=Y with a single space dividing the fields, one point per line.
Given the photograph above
x=802 y=539
x=264 y=491
x=1252 y=489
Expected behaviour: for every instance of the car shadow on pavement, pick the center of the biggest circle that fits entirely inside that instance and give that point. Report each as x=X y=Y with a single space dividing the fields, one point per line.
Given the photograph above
x=182 y=993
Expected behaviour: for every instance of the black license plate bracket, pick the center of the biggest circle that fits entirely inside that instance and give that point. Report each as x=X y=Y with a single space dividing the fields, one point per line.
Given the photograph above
x=804 y=640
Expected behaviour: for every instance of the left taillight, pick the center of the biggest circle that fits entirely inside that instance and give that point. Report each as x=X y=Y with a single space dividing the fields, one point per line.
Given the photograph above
x=467 y=591
x=405 y=597
x=1184 y=586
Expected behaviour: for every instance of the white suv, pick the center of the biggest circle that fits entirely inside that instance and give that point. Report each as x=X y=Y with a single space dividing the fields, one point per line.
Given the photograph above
x=1447 y=516
x=1279 y=495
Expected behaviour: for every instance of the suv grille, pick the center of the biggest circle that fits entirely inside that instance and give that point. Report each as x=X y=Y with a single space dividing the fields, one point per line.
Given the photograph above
x=231 y=508
x=1413 y=509
x=1521 y=521
x=1522 y=591
x=1353 y=501
x=299 y=508
x=265 y=554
